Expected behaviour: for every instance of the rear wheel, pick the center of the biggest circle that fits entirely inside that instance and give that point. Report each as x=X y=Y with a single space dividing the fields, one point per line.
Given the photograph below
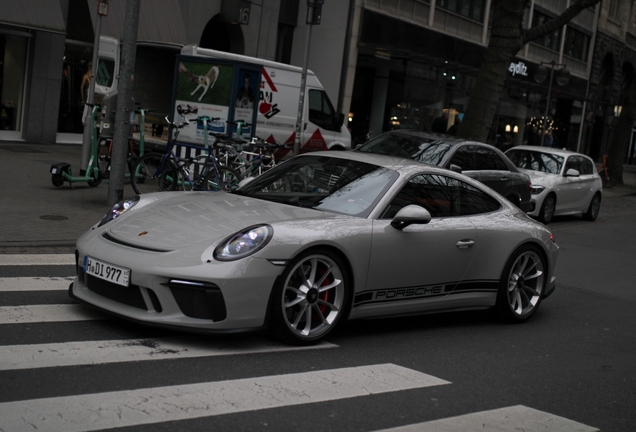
x=97 y=180
x=151 y=174
x=595 y=207
x=522 y=284
x=311 y=297
x=608 y=178
x=547 y=209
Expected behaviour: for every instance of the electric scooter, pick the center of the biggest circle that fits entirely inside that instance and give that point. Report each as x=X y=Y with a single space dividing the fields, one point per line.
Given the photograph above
x=61 y=172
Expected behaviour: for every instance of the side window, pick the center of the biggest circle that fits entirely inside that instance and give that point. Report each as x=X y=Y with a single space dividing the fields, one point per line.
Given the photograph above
x=473 y=201
x=321 y=111
x=464 y=157
x=487 y=159
x=574 y=162
x=437 y=194
x=587 y=167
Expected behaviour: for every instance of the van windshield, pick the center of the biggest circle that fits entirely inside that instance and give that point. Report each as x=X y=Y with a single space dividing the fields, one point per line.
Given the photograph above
x=321 y=111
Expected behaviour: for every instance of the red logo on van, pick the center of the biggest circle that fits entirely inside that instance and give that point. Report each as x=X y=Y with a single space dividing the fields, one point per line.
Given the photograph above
x=267 y=107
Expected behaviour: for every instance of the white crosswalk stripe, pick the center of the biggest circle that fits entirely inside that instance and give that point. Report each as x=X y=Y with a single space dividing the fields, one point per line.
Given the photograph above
x=155 y=405
x=13 y=357
x=37 y=259
x=35 y=284
x=515 y=418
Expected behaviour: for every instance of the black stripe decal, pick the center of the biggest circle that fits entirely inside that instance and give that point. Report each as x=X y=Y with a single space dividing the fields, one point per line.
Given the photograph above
x=418 y=292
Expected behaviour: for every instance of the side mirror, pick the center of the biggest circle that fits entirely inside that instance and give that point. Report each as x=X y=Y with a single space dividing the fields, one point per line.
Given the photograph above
x=411 y=214
x=572 y=173
x=456 y=168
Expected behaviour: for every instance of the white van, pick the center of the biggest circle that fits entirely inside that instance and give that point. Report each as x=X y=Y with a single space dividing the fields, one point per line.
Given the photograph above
x=201 y=73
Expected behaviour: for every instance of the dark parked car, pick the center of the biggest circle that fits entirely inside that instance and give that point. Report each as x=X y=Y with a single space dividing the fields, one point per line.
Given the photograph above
x=480 y=161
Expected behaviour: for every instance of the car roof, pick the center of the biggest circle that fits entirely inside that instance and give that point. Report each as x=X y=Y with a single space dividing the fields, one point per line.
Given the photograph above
x=448 y=139
x=551 y=150
x=402 y=165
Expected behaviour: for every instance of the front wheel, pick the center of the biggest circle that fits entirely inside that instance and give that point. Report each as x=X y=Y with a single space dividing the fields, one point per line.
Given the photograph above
x=522 y=285
x=152 y=174
x=311 y=297
x=594 y=208
x=547 y=209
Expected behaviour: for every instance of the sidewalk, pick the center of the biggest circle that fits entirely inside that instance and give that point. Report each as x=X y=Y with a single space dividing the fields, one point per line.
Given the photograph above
x=37 y=217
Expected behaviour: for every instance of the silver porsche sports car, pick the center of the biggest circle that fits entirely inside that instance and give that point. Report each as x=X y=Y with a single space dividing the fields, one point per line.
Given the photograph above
x=320 y=238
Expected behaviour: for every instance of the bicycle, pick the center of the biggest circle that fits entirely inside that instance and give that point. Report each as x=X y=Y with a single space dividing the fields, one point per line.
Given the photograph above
x=250 y=161
x=106 y=147
x=608 y=177
x=156 y=172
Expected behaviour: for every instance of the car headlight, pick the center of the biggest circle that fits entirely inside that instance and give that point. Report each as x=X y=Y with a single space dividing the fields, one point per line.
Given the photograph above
x=536 y=189
x=118 y=209
x=244 y=243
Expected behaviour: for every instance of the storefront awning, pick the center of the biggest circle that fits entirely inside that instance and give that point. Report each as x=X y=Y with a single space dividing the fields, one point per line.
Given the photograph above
x=159 y=21
x=34 y=14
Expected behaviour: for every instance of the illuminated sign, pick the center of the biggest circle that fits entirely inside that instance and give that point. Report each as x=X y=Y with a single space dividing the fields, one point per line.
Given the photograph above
x=518 y=69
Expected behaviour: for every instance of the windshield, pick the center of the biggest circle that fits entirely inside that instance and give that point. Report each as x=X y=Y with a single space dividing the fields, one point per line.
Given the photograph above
x=323 y=183
x=420 y=148
x=536 y=161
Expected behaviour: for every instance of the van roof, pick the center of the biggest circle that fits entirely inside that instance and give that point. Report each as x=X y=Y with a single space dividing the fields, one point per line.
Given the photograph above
x=193 y=50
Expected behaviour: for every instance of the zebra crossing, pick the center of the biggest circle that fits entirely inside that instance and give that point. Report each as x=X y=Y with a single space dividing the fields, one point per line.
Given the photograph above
x=136 y=407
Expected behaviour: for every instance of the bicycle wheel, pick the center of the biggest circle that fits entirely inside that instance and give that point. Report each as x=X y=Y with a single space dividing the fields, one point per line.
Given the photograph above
x=227 y=180
x=103 y=157
x=152 y=174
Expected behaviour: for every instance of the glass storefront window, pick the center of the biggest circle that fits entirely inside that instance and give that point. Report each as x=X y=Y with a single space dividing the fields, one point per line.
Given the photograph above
x=13 y=54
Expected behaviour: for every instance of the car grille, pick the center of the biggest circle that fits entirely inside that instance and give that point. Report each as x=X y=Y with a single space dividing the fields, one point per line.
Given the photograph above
x=130 y=295
x=199 y=299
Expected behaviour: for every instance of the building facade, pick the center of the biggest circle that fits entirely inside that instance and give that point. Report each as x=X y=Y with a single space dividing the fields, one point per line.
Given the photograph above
x=386 y=63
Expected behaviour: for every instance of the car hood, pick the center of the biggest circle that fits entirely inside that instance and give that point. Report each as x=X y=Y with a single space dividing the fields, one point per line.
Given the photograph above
x=539 y=177
x=173 y=220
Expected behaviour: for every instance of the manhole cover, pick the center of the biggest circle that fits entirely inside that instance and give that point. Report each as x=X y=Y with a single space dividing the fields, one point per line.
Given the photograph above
x=53 y=217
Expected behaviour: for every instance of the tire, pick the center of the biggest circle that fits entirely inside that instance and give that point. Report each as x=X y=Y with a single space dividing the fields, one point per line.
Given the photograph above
x=96 y=182
x=594 y=208
x=229 y=177
x=103 y=157
x=304 y=315
x=150 y=175
x=547 y=209
x=522 y=285
x=57 y=180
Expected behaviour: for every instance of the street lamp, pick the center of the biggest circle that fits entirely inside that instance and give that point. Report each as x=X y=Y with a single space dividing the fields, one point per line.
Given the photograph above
x=563 y=77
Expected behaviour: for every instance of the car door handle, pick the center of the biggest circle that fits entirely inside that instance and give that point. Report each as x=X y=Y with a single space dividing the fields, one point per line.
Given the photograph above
x=465 y=244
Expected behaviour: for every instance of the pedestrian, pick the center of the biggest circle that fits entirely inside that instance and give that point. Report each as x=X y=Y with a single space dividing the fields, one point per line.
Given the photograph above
x=440 y=123
x=453 y=129
x=548 y=141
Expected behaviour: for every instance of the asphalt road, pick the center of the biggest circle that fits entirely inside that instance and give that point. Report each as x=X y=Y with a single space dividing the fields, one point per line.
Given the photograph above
x=573 y=360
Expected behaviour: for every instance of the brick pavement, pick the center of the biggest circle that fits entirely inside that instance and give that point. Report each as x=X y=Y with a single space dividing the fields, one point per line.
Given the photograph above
x=37 y=217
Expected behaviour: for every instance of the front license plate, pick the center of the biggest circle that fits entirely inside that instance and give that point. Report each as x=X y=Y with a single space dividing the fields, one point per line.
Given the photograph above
x=106 y=271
